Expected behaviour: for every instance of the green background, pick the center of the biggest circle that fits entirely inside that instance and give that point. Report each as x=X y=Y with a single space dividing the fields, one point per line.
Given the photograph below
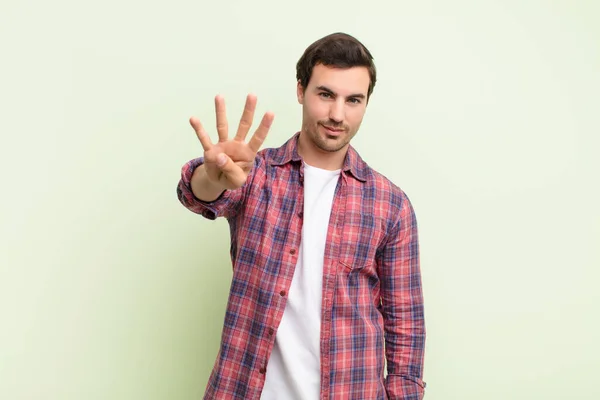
x=485 y=113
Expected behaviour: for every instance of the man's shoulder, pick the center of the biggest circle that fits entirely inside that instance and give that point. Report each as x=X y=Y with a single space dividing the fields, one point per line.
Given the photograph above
x=382 y=182
x=269 y=153
x=369 y=175
x=281 y=154
x=386 y=192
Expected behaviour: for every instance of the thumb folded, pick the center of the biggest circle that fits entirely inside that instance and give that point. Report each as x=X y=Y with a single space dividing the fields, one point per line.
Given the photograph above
x=231 y=170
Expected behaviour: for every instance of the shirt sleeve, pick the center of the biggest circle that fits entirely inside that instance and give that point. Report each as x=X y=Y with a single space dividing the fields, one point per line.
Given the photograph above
x=225 y=205
x=402 y=308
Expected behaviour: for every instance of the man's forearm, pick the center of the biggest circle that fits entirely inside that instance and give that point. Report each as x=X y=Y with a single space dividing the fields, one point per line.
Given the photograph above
x=400 y=387
x=202 y=187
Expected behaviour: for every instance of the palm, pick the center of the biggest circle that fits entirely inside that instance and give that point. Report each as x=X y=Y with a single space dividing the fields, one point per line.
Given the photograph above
x=239 y=152
x=242 y=154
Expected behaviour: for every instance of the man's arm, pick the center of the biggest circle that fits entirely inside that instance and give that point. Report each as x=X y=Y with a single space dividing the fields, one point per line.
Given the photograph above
x=203 y=188
x=211 y=185
x=402 y=308
x=200 y=200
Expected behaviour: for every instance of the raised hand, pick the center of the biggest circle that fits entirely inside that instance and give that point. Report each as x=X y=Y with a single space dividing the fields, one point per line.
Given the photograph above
x=228 y=162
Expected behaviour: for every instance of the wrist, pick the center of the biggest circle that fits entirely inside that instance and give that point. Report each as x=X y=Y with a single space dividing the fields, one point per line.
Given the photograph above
x=203 y=187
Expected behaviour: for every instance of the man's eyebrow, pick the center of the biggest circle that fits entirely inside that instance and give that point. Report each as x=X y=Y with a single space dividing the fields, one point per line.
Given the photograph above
x=326 y=89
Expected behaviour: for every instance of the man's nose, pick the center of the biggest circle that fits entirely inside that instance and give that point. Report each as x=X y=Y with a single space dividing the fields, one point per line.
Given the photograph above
x=336 y=111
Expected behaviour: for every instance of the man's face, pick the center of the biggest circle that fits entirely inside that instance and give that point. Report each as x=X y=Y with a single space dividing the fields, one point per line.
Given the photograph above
x=334 y=103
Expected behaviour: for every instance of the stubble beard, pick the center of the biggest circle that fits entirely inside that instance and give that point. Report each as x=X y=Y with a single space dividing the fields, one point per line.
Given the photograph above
x=324 y=143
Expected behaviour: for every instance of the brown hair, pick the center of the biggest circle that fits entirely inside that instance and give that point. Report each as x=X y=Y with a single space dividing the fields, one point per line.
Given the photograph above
x=337 y=50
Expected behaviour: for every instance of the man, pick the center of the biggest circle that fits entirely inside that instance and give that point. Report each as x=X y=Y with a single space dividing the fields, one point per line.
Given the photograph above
x=324 y=249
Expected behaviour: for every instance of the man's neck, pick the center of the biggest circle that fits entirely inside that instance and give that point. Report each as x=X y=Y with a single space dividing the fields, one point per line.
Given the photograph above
x=316 y=157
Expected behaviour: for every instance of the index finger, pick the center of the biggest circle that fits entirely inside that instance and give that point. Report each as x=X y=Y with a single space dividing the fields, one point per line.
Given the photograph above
x=261 y=133
x=201 y=133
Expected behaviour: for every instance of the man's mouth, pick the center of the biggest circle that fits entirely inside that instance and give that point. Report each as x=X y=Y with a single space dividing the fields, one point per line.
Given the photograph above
x=333 y=131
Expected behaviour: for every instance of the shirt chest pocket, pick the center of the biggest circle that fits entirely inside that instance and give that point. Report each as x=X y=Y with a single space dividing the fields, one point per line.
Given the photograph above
x=357 y=276
x=360 y=239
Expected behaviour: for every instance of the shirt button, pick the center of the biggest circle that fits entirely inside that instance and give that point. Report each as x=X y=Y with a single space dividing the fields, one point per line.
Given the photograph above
x=262 y=370
x=300 y=214
x=293 y=251
x=271 y=331
x=282 y=293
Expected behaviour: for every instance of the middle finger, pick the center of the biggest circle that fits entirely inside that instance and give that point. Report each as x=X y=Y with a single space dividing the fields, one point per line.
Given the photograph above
x=222 y=126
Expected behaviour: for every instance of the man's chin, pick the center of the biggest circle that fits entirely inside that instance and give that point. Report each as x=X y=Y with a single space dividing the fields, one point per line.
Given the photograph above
x=331 y=145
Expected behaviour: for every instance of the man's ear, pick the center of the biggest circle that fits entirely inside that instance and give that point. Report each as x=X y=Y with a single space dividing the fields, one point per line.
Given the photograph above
x=300 y=92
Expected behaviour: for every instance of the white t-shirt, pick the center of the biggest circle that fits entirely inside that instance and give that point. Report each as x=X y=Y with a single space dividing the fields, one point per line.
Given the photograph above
x=294 y=368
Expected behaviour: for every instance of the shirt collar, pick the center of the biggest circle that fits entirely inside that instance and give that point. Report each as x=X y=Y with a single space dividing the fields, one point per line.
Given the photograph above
x=353 y=163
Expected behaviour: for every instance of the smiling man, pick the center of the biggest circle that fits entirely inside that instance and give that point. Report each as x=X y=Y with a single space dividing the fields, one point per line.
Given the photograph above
x=326 y=288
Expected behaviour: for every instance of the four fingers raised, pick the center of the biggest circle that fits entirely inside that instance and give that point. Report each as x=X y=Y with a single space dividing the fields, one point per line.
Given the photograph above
x=257 y=139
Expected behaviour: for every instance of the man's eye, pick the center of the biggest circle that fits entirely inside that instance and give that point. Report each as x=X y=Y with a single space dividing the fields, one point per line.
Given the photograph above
x=354 y=101
x=324 y=94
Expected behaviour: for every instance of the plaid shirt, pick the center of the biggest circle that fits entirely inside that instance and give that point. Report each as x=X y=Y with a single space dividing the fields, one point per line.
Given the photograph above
x=371 y=279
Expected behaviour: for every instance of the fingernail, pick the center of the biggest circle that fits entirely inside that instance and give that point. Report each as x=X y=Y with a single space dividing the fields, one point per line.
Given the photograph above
x=221 y=160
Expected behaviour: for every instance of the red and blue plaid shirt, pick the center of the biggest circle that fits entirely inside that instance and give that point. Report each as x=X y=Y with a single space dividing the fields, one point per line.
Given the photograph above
x=372 y=304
